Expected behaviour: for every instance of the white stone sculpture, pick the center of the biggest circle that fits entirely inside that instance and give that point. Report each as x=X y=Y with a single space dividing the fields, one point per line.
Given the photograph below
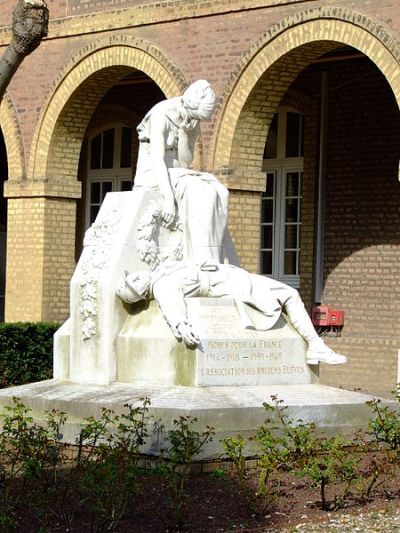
x=192 y=202
x=171 y=282
x=174 y=220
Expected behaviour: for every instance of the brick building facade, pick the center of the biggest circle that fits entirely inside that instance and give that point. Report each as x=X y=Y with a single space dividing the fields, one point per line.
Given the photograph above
x=306 y=136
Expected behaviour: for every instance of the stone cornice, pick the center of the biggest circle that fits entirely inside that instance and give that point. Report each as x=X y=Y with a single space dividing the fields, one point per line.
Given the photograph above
x=141 y=15
x=55 y=188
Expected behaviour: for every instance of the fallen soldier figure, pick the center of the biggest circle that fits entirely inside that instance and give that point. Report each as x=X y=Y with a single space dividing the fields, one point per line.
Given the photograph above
x=170 y=283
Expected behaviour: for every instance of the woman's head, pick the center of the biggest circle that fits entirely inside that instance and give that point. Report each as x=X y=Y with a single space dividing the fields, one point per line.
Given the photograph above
x=199 y=100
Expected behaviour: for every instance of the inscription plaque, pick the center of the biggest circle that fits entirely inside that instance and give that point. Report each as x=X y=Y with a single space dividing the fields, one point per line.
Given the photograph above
x=230 y=354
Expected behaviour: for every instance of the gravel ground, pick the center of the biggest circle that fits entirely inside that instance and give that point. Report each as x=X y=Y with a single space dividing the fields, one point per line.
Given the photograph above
x=381 y=521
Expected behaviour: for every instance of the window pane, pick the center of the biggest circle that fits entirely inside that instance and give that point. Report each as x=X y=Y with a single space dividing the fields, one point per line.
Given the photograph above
x=267 y=210
x=95 y=152
x=95 y=193
x=292 y=211
x=94 y=209
x=266 y=263
x=269 y=190
x=290 y=263
x=293 y=134
x=107 y=187
x=126 y=185
x=292 y=184
x=126 y=148
x=266 y=237
x=291 y=236
x=108 y=149
x=270 y=150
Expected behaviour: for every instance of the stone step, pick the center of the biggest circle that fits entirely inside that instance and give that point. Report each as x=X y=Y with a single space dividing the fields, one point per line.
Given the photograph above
x=230 y=410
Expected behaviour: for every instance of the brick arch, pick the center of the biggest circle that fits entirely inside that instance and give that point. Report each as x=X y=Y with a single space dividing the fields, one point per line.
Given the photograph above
x=275 y=61
x=95 y=69
x=10 y=128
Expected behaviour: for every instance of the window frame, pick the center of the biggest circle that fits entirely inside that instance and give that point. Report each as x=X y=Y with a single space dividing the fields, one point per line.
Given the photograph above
x=117 y=174
x=280 y=167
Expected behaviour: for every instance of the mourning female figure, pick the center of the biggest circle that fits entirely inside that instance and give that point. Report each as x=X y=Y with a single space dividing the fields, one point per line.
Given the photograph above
x=195 y=200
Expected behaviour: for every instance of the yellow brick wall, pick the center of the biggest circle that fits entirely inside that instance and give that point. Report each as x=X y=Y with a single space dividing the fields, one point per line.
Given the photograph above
x=40 y=258
x=59 y=257
x=244 y=225
x=24 y=288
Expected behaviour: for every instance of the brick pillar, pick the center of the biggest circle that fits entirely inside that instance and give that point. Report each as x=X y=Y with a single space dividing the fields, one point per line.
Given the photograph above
x=40 y=250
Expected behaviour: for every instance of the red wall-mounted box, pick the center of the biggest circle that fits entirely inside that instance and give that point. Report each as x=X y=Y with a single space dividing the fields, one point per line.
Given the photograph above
x=323 y=315
x=320 y=315
x=335 y=317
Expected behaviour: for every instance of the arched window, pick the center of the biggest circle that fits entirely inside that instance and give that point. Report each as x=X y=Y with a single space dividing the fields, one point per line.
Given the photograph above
x=109 y=166
x=281 y=201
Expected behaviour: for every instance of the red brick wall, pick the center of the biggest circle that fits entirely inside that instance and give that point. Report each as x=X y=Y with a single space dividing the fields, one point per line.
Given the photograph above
x=57 y=9
x=206 y=47
x=77 y=7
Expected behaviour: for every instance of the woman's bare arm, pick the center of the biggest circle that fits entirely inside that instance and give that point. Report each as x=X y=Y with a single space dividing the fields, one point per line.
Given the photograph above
x=186 y=143
x=157 y=148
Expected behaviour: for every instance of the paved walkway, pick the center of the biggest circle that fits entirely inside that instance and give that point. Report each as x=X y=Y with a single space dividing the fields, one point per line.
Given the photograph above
x=375 y=521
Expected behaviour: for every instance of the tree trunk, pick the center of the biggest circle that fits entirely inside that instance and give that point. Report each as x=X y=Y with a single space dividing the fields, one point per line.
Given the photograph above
x=30 y=25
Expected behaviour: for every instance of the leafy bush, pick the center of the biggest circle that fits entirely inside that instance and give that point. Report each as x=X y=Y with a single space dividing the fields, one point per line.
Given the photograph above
x=275 y=457
x=332 y=463
x=29 y=453
x=385 y=432
x=293 y=445
x=385 y=427
x=100 y=485
x=108 y=462
x=26 y=352
x=183 y=444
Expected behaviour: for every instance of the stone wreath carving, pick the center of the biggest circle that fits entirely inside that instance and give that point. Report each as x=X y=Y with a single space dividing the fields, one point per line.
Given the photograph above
x=99 y=235
x=102 y=232
x=91 y=269
x=149 y=229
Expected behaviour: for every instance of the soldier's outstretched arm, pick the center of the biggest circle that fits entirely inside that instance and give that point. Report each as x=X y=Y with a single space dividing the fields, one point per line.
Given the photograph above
x=170 y=298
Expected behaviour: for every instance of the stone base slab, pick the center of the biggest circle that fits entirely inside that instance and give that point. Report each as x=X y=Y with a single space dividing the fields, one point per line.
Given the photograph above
x=230 y=410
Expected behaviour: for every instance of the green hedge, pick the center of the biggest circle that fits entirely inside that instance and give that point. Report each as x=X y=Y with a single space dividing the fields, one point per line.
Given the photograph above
x=26 y=352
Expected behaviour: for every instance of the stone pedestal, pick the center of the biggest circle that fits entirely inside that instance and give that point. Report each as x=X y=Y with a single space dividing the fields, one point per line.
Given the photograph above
x=86 y=345
x=105 y=341
x=228 y=355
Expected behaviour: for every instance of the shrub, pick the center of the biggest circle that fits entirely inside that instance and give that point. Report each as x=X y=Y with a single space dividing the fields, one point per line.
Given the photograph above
x=26 y=352
x=108 y=463
x=183 y=444
x=385 y=432
x=29 y=453
x=385 y=426
x=274 y=456
x=291 y=445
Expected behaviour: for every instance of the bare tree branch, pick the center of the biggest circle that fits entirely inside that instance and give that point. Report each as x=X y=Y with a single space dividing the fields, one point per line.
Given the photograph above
x=30 y=26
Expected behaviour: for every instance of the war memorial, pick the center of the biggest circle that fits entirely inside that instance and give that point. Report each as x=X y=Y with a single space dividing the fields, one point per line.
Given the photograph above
x=160 y=307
